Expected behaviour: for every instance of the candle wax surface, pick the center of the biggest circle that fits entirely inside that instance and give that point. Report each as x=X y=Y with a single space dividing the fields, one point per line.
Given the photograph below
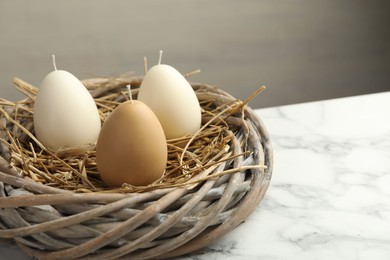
x=131 y=147
x=172 y=99
x=65 y=113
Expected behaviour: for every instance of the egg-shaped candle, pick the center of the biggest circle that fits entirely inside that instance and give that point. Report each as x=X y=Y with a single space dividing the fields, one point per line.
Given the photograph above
x=172 y=99
x=65 y=114
x=131 y=147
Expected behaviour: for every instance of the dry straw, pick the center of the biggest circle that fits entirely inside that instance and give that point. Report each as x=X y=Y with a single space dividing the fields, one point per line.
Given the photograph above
x=54 y=205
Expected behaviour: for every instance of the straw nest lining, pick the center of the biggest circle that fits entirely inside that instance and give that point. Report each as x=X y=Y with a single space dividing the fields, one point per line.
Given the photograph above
x=54 y=205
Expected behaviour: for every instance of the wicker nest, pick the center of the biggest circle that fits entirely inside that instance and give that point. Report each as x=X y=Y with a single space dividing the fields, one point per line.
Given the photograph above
x=55 y=207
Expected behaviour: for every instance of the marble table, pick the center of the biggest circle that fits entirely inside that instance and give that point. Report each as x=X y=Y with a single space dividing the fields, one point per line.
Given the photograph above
x=329 y=196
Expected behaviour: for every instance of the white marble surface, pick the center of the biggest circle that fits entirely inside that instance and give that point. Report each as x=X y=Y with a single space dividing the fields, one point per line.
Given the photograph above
x=329 y=196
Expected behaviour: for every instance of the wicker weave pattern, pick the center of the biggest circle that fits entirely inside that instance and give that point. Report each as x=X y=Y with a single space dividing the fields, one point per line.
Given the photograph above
x=58 y=224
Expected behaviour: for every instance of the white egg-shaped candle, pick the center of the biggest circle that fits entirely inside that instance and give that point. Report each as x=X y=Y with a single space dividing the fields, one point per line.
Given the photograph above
x=172 y=99
x=65 y=114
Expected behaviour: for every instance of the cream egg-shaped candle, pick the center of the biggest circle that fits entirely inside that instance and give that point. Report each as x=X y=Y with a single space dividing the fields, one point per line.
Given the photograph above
x=65 y=114
x=172 y=99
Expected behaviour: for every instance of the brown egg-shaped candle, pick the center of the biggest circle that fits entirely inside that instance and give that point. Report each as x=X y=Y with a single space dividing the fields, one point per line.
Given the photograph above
x=131 y=147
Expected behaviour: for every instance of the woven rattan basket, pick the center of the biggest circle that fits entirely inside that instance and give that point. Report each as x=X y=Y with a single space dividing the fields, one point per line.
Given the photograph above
x=53 y=223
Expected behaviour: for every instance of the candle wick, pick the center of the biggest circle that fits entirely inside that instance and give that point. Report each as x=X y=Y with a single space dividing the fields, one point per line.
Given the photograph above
x=54 y=61
x=160 y=57
x=146 y=64
x=129 y=89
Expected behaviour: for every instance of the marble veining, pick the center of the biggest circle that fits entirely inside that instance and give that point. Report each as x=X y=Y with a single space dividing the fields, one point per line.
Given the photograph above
x=329 y=196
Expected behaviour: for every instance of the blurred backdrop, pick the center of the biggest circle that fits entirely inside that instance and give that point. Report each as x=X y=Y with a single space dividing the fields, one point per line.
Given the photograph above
x=302 y=50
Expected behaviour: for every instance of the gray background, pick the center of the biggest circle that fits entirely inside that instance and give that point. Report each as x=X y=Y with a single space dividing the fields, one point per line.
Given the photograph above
x=302 y=50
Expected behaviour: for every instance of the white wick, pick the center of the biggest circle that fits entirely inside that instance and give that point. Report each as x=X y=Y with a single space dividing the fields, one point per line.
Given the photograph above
x=54 y=61
x=160 y=57
x=146 y=64
x=129 y=89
